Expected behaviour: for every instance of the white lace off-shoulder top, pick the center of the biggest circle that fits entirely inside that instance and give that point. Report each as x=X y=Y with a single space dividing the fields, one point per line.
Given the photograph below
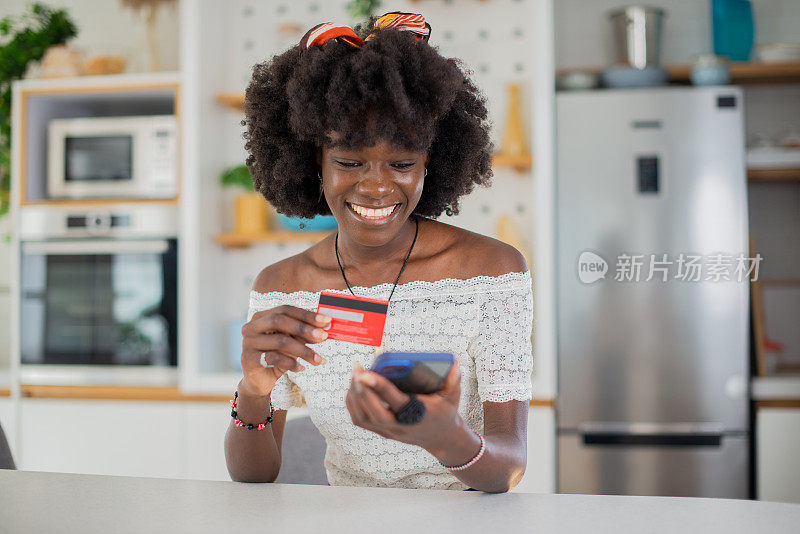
x=485 y=321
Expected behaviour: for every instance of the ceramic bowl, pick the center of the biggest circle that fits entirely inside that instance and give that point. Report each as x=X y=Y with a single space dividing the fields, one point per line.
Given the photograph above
x=624 y=76
x=577 y=80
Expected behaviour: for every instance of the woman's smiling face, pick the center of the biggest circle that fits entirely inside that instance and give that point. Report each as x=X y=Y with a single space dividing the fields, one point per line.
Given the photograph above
x=383 y=178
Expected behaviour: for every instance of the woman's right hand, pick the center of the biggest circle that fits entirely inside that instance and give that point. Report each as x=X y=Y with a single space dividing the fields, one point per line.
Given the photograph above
x=281 y=333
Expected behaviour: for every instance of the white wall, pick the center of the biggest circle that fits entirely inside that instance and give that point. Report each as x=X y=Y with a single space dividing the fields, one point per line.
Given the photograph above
x=584 y=33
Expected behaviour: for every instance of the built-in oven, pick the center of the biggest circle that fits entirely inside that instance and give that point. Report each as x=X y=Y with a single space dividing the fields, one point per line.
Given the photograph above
x=99 y=296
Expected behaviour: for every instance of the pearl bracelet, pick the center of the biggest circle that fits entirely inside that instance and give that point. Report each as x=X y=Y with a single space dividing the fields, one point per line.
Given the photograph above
x=471 y=462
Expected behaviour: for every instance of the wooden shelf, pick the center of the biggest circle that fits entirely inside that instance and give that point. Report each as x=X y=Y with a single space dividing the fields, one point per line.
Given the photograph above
x=746 y=73
x=232 y=240
x=780 y=282
x=741 y=73
x=521 y=163
x=778 y=403
x=115 y=393
x=773 y=175
x=232 y=100
x=98 y=202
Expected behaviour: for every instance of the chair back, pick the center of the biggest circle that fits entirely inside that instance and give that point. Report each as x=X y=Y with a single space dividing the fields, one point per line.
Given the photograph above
x=302 y=454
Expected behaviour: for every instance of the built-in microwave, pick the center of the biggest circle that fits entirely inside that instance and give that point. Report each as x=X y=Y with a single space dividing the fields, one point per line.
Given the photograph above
x=112 y=157
x=99 y=295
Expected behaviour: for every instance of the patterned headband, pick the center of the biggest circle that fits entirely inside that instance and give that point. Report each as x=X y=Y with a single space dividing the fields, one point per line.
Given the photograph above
x=322 y=33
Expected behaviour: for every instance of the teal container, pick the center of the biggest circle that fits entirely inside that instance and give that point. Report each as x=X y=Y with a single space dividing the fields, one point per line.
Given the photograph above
x=733 y=28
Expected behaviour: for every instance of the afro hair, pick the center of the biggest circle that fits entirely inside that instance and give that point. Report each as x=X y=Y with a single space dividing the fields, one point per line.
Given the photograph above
x=414 y=98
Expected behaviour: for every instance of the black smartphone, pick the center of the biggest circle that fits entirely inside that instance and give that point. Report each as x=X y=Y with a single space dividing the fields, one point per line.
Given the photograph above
x=414 y=372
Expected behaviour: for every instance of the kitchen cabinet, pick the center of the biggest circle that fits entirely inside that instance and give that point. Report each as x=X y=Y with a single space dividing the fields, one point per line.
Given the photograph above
x=777 y=432
x=777 y=458
x=540 y=470
x=8 y=419
x=128 y=438
x=104 y=437
x=176 y=439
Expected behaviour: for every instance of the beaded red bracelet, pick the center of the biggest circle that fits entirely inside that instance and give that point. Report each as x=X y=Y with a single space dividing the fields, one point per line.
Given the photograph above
x=249 y=426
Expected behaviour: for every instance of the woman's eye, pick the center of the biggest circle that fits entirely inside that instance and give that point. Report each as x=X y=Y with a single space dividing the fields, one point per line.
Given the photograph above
x=348 y=164
x=403 y=165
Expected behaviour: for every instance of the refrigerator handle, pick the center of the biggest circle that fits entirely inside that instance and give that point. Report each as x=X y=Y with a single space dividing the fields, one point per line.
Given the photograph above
x=653 y=434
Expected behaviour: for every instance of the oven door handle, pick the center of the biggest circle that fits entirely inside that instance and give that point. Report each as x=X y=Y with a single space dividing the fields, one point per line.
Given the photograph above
x=92 y=246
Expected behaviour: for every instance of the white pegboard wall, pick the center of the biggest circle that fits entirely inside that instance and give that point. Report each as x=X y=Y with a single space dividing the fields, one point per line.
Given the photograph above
x=491 y=37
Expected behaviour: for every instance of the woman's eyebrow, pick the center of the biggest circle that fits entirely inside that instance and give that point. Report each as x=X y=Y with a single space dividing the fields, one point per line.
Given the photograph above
x=343 y=152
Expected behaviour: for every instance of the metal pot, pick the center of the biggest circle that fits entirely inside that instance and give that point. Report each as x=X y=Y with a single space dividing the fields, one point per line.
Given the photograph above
x=638 y=34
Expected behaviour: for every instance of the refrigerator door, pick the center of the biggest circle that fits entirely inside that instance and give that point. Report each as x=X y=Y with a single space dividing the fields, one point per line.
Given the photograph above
x=651 y=172
x=684 y=466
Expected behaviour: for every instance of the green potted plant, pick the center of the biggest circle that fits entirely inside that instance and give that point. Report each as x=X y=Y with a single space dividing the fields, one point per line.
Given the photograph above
x=362 y=12
x=250 y=209
x=363 y=9
x=24 y=39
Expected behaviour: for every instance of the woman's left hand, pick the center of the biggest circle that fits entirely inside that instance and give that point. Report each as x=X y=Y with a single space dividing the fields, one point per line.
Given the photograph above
x=373 y=400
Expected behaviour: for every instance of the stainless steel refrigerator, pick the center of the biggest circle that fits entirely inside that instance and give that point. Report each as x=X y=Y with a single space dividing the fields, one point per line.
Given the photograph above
x=652 y=371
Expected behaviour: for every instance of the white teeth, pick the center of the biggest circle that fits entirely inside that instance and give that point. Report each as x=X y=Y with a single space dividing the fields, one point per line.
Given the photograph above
x=373 y=213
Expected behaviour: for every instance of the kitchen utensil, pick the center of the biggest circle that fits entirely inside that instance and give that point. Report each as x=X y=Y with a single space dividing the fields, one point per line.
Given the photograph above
x=577 y=80
x=638 y=34
x=709 y=69
x=762 y=140
x=623 y=76
x=732 y=22
x=773 y=158
x=778 y=52
x=791 y=139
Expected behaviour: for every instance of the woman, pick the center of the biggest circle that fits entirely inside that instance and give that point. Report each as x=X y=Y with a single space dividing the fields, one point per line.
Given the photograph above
x=385 y=134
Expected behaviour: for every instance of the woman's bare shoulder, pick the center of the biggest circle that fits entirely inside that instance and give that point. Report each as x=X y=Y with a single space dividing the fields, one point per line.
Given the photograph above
x=475 y=254
x=291 y=274
x=276 y=277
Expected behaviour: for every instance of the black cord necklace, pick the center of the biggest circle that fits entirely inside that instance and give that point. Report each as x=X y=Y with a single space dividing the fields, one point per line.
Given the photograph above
x=416 y=231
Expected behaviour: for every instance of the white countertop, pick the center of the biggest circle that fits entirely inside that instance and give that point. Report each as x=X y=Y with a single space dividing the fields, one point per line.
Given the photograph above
x=55 y=502
x=776 y=387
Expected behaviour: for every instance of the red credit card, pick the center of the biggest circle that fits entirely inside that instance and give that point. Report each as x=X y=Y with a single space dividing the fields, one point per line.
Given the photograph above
x=354 y=319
